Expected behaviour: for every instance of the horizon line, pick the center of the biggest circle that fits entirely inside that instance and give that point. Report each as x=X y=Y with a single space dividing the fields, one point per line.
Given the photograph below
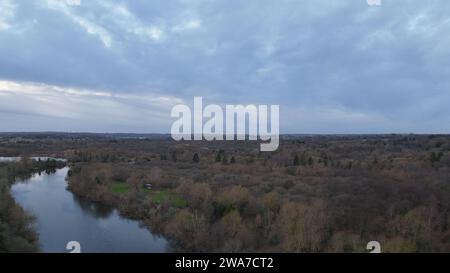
x=164 y=134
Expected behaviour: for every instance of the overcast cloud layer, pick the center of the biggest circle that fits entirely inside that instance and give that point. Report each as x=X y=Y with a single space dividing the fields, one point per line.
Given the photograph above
x=119 y=66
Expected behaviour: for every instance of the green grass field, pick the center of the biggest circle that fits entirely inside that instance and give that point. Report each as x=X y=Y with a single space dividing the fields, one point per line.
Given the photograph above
x=119 y=187
x=158 y=196
x=161 y=195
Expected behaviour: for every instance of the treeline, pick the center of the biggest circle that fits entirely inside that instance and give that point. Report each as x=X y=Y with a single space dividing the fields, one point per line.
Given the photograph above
x=17 y=233
x=314 y=195
x=341 y=216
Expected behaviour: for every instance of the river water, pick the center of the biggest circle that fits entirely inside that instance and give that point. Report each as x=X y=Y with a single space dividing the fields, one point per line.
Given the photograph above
x=63 y=217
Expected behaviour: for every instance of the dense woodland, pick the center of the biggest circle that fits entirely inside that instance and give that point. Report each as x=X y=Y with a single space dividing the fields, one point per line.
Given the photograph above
x=314 y=194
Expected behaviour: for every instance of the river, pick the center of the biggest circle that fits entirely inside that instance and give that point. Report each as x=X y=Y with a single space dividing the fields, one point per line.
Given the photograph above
x=62 y=217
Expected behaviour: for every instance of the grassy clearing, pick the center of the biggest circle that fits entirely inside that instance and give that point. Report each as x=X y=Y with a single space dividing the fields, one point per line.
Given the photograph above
x=119 y=187
x=158 y=196
x=162 y=195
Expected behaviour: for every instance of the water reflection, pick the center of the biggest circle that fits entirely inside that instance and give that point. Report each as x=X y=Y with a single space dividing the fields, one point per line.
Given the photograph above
x=63 y=217
x=95 y=209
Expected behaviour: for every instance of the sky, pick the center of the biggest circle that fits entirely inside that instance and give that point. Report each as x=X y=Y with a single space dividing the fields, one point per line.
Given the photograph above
x=120 y=66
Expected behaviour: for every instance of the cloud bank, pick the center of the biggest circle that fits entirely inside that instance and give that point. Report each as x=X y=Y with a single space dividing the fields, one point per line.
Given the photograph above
x=119 y=66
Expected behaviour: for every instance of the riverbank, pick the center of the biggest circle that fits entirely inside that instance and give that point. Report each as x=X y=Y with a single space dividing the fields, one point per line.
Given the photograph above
x=309 y=197
x=151 y=207
x=17 y=231
x=315 y=194
x=62 y=217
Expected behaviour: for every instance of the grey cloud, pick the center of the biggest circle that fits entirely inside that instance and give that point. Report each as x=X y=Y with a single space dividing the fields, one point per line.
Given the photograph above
x=370 y=69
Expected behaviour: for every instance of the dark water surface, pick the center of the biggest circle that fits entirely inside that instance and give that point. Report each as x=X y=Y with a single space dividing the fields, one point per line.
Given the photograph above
x=63 y=217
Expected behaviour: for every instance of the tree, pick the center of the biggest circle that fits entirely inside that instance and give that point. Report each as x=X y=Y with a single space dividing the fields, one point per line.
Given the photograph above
x=235 y=197
x=232 y=223
x=310 y=161
x=189 y=228
x=196 y=158
x=174 y=156
x=134 y=181
x=304 y=227
x=198 y=195
x=303 y=160
x=296 y=160
x=225 y=159
x=220 y=155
